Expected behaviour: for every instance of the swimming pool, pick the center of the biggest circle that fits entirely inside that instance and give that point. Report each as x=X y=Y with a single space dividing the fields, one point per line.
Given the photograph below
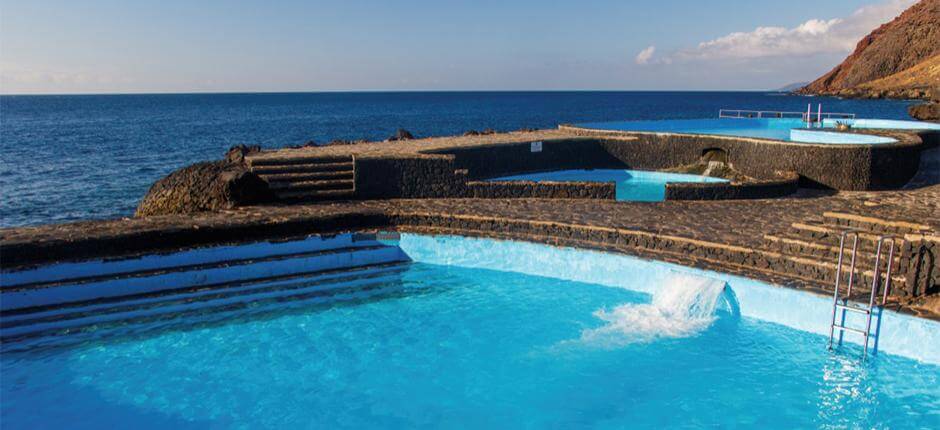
x=632 y=185
x=445 y=331
x=786 y=129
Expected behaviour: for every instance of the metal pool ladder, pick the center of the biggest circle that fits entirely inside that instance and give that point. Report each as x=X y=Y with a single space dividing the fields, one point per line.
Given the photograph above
x=842 y=302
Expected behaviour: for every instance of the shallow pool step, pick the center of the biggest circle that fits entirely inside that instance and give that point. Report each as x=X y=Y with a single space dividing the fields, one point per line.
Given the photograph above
x=59 y=290
x=324 y=286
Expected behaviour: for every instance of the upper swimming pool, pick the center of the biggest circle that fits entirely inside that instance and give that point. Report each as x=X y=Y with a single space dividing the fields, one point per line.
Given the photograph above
x=786 y=129
x=440 y=331
x=632 y=185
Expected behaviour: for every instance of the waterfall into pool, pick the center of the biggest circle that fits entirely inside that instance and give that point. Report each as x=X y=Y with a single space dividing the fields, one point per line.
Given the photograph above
x=684 y=306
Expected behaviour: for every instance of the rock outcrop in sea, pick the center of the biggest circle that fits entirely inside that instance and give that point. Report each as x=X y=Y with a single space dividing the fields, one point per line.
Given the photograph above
x=900 y=59
x=926 y=111
x=207 y=186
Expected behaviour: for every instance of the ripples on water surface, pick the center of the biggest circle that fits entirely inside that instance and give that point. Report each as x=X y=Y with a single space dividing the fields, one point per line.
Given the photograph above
x=66 y=158
x=449 y=347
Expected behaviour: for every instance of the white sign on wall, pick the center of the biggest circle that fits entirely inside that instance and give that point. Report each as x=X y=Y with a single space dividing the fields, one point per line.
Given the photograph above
x=535 y=146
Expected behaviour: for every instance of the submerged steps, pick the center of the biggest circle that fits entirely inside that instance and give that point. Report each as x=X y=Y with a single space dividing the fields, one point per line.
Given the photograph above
x=324 y=286
x=69 y=297
x=307 y=178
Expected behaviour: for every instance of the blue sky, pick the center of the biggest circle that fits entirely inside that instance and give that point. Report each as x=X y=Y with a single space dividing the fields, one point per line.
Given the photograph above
x=107 y=46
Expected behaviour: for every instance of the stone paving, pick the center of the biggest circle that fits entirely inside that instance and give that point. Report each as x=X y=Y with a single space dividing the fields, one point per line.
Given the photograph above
x=725 y=235
x=737 y=225
x=418 y=147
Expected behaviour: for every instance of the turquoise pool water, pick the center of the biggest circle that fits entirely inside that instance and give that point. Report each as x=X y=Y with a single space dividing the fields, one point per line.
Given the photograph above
x=786 y=129
x=531 y=342
x=632 y=185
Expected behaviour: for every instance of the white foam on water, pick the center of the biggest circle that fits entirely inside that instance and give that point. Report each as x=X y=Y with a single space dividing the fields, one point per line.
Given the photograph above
x=685 y=305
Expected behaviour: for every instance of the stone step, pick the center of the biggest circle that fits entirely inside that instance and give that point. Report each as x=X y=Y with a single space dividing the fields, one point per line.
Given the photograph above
x=287 y=161
x=302 y=168
x=825 y=272
x=873 y=224
x=823 y=233
x=794 y=245
x=308 y=176
x=331 y=184
x=307 y=195
x=125 y=276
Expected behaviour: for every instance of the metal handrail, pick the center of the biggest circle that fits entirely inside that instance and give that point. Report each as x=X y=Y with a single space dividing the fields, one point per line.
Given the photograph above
x=851 y=280
x=874 y=281
x=883 y=241
x=744 y=113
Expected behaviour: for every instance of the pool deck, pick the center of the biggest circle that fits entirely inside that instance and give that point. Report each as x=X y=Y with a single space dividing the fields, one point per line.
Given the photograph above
x=729 y=236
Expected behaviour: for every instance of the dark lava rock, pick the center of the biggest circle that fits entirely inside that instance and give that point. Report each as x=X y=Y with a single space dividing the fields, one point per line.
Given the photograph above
x=237 y=153
x=346 y=142
x=925 y=111
x=307 y=144
x=480 y=133
x=204 y=187
x=401 y=134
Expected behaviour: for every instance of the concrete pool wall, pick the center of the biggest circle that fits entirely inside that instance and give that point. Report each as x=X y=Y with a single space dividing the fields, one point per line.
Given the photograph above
x=841 y=167
x=898 y=334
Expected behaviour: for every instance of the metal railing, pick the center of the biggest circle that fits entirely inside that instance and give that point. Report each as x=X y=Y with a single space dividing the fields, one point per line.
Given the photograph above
x=809 y=117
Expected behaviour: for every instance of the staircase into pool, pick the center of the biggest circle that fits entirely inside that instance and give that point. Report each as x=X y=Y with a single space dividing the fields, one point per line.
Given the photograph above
x=204 y=286
x=307 y=178
x=812 y=248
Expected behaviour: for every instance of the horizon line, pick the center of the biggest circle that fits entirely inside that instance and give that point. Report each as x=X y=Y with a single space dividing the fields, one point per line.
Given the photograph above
x=146 y=93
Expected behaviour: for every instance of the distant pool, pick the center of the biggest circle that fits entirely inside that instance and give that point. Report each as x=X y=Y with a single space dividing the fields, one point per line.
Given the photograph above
x=632 y=185
x=785 y=129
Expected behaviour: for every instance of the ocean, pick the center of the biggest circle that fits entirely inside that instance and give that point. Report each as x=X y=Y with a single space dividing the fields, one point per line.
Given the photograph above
x=68 y=158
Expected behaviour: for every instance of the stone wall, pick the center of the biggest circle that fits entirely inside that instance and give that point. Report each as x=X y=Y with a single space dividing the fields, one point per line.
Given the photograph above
x=785 y=184
x=923 y=273
x=842 y=167
x=444 y=172
x=412 y=177
x=512 y=158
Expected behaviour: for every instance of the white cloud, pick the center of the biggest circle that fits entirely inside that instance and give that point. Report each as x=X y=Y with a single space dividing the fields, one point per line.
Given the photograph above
x=816 y=36
x=645 y=55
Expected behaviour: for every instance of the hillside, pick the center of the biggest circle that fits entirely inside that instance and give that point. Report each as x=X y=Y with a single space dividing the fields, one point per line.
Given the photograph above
x=906 y=42
x=919 y=82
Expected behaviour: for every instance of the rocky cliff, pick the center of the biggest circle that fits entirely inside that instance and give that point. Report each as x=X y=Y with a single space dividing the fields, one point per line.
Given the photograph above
x=201 y=187
x=877 y=67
